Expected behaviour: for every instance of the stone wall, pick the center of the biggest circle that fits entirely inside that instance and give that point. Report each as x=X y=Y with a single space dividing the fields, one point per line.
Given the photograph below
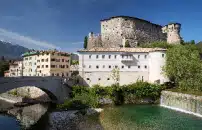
x=136 y=31
x=182 y=102
x=31 y=92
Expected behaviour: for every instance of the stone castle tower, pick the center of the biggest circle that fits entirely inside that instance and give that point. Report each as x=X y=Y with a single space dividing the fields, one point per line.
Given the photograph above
x=136 y=31
x=173 y=33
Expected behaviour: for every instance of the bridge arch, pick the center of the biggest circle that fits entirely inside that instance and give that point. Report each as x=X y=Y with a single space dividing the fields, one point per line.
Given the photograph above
x=52 y=86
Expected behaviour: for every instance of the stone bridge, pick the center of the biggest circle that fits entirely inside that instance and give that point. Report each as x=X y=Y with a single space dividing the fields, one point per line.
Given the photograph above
x=55 y=87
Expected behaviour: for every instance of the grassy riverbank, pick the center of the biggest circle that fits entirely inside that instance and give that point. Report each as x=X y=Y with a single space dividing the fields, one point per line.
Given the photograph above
x=137 y=93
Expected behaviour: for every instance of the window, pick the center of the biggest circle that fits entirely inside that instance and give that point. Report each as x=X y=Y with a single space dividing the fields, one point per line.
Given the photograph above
x=138 y=66
x=47 y=60
x=46 y=66
x=42 y=60
x=38 y=60
x=88 y=79
x=67 y=66
x=97 y=67
x=109 y=66
x=138 y=56
x=122 y=67
x=30 y=58
x=38 y=66
x=57 y=60
x=58 y=74
x=53 y=59
x=97 y=56
x=89 y=66
x=142 y=78
x=52 y=66
x=35 y=63
x=67 y=74
x=145 y=67
x=114 y=56
x=99 y=79
x=103 y=56
x=129 y=67
x=52 y=74
x=63 y=60
x=42 y=66
x=109 y=56
x=116 y=66
x=145 y=56
x=103 y=66
x=163 y=55
x=108 y=78
x=84 y=66
x=89 y=56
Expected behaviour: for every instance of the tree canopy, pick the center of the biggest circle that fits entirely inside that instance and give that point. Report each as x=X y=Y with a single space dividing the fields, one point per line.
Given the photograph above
x=184 y=66
x=85 y=42
x=4 y=65
x=127 y=44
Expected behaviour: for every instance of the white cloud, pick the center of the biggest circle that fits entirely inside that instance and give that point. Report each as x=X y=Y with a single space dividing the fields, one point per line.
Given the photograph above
x=17 y=38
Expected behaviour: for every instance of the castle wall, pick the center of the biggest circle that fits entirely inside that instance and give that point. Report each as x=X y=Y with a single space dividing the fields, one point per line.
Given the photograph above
x=134 y=30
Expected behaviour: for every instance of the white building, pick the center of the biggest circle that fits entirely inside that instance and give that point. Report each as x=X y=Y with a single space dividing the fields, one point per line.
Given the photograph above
x=46 y=63
x=15 y=69
x=96 y=65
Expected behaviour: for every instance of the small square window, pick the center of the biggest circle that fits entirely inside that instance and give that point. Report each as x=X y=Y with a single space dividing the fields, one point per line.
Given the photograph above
x=145 y=67
x=109 y=66
x=109 y=56
x=163 y=55
x=129 y=67
x=97 y=56
x=99 y=79
x=145 y=56
x=138 y=66
x=103 y=56
x=97 y=67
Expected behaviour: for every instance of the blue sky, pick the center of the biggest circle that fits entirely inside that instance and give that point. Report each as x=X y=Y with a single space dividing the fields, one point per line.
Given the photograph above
x=62 y=24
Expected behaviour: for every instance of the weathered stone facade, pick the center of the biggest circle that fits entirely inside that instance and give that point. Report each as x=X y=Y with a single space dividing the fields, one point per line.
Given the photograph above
x=116 y=30
x=173 y=32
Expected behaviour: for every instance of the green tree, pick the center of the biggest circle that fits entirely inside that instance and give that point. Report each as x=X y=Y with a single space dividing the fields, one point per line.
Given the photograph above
x=3 y=67
x=115 y=75
x=159 y=44
x=183 y=64
x=85 y=42
x=127 y=44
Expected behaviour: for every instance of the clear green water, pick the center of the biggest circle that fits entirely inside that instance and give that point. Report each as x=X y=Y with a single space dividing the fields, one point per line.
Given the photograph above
x=148 y=117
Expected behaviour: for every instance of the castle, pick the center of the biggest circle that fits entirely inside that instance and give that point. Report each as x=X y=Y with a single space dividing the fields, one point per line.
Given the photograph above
x=115 y=31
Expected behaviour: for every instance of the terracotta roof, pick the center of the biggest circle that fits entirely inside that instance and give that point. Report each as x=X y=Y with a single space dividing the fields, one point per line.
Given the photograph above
x=99 y=49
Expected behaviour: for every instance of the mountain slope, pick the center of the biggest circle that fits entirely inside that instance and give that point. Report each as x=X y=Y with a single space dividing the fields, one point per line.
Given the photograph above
x=11 y=51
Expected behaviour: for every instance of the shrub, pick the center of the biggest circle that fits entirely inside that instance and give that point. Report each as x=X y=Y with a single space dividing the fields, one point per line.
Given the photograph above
x=72 y=105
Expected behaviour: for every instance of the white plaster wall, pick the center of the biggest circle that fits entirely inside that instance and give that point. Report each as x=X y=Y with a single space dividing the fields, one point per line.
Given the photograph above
x=156 y=62
x=151 y=72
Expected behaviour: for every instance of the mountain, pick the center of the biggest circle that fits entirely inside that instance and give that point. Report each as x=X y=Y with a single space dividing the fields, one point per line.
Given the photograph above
x=11 y=51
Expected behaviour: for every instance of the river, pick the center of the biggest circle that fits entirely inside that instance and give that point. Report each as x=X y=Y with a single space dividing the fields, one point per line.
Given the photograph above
x=137 y=117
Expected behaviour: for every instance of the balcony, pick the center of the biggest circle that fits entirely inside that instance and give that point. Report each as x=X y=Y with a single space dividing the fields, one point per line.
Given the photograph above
x=126 y=57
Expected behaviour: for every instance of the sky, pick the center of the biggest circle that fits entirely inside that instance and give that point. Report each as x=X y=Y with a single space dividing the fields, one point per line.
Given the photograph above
x=63 y=24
